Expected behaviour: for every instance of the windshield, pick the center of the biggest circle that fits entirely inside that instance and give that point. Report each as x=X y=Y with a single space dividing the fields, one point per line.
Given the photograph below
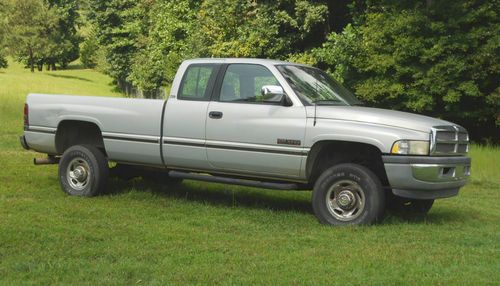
x=314 y=86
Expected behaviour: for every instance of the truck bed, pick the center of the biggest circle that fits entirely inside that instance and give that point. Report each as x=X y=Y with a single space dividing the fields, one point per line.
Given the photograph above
x=130 y=127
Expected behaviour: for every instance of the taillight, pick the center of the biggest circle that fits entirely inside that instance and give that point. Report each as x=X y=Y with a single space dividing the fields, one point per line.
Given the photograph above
x=26 y=117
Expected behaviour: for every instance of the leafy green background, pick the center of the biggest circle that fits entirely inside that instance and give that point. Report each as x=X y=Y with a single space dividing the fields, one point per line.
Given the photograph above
x=435 y=57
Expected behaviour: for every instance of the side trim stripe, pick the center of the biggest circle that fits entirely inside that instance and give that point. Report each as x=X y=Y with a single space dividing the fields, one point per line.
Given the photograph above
x=157 y=141
x=172 y=142
x=184 y=143
x=41 y=131
x=212 y=146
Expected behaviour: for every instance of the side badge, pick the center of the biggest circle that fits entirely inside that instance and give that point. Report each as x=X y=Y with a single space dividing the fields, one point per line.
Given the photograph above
x=292 y=142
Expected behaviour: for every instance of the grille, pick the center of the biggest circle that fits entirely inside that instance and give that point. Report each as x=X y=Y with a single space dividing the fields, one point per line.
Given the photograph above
x=449 y=140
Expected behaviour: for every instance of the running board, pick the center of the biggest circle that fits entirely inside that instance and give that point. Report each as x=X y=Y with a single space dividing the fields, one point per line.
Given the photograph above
x=232 y=181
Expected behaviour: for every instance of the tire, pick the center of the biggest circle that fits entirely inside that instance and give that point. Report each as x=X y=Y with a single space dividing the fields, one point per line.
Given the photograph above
x=409 y=207
x=348 y=194
x=83 y=171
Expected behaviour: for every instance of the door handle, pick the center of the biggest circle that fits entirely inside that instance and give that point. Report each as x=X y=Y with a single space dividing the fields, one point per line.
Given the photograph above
x=215 y=114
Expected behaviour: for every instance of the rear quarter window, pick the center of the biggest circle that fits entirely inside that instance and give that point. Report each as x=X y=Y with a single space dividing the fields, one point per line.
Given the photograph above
x=197 y=82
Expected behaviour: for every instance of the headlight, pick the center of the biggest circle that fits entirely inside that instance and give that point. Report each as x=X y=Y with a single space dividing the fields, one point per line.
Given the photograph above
x=409 y=147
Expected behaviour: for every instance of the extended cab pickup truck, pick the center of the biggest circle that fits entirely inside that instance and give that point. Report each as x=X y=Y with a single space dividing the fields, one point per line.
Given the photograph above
x=260 y=123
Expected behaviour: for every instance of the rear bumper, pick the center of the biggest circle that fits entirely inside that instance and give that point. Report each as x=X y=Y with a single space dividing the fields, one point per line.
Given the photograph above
x=426 y=177
x=22 y=139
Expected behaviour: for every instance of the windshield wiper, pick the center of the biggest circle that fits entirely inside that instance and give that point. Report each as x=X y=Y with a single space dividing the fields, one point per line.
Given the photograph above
x=328 y=102
x=358 y=104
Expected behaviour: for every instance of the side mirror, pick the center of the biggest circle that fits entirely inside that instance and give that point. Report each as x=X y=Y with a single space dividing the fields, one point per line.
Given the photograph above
x=272 y=93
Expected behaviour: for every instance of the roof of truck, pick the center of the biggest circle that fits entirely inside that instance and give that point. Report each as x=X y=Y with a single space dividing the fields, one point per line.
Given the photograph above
x=237 y=60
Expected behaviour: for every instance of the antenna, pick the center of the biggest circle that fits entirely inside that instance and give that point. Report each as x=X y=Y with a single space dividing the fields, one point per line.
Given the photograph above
x=315 y=103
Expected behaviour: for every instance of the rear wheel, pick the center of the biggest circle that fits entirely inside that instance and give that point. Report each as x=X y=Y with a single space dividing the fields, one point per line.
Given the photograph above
x=348 y=194
x=83 y=171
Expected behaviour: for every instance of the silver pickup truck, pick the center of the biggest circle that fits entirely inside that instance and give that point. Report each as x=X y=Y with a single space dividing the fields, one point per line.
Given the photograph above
x=259 y=123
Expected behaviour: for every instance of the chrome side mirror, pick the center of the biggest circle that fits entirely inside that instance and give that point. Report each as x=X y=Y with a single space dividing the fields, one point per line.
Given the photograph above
x=272 y=93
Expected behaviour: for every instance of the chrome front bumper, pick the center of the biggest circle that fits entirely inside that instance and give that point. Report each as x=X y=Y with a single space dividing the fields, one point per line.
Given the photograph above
x=426 y=177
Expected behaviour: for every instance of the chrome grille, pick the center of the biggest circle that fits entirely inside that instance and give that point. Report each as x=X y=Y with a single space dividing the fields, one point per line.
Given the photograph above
x=449 y=140
x=463 y=136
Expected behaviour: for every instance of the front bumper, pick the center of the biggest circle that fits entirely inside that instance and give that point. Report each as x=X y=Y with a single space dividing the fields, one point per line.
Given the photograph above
x=419 y=177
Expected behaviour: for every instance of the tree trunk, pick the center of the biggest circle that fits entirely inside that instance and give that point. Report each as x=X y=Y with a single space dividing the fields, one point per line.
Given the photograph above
x=47 y=67
x=40 y=67
x=53 y=66
x=32 y=64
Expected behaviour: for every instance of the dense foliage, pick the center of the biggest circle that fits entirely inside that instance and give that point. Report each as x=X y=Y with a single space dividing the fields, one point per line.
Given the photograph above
x=3 y=29
x=441 y=59
x=144 y=41
x=39 y=32
x=117 y=31
x=64 y=36
x=3 y=61
x=89 y=50
x=435 y=57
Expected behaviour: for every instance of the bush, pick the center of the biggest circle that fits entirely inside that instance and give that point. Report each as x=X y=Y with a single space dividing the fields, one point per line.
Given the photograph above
x=440 y=60
x=3 y=61
x=88 y=51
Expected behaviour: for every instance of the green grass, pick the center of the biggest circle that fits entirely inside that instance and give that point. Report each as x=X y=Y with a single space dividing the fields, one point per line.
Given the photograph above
x=202 y=233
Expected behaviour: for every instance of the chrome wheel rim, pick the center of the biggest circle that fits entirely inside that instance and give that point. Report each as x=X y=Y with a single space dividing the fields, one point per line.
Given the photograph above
x=78 y=173
x=345 y=200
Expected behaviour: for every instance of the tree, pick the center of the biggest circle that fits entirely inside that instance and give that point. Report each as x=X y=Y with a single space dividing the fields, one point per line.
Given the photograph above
x=117 y=30
x=171 y=38
x=265 y=29
x=64 y=38
x=89 y=50
x=29 y=25
x=435 y=57
x=3 y=28
x=3 y=60
x=185 y=29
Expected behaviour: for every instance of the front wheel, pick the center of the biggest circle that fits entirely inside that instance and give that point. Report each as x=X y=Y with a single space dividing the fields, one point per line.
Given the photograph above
x=83 y=171
x=348 y=194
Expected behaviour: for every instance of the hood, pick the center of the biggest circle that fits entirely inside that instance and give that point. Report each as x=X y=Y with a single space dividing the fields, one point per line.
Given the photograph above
x=377 y=116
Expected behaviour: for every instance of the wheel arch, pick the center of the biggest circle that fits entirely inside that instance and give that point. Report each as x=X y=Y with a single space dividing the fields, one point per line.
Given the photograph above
x=326 y=153
x=72 y=132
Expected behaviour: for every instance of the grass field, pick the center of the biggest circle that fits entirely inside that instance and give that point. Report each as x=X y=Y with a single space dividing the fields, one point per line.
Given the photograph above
x=202 y=233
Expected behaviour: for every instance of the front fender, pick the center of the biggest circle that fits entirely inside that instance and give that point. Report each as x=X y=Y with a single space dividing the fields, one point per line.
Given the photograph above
x=379 y=136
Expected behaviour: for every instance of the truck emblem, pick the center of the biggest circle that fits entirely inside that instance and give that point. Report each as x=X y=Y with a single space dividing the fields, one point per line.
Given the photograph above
x=288 y=142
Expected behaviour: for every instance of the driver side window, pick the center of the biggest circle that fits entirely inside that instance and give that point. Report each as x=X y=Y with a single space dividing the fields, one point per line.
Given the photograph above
x=243 y=83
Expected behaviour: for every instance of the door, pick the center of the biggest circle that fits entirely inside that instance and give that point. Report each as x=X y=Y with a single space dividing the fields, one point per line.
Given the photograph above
x=247 y=134
x=185 y=118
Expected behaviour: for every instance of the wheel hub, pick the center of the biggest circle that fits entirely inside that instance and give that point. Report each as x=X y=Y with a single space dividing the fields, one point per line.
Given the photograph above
x=80 y=173
x=346 y=199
